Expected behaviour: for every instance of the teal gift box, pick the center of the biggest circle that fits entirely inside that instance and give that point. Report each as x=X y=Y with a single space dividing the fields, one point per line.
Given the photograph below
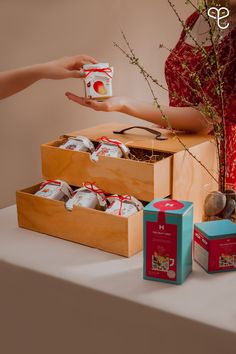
x=215 y=245
x=168 y=231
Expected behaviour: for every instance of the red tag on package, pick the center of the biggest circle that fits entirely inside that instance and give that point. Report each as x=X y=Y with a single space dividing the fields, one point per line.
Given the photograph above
x=215 y=245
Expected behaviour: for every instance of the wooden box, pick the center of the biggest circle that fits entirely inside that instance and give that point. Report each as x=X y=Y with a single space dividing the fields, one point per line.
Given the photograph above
x=178 y=175
x=94 y=228
x=143 y=180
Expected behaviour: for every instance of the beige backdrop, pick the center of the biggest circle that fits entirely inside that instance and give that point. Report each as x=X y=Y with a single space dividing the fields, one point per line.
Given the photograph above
x=39 y=30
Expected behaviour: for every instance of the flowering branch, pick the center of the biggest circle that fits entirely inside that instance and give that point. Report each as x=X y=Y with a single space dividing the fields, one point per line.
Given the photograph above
x=213 y=70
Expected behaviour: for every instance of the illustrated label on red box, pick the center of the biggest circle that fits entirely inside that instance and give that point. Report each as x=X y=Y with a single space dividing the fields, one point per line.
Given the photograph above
x=161 y=248
x=215 y=245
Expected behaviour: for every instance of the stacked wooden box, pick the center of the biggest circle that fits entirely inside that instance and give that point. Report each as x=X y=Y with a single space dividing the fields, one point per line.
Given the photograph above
x=178 y=175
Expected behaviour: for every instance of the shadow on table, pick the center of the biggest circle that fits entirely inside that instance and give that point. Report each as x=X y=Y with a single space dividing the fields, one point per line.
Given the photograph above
x=43 y=314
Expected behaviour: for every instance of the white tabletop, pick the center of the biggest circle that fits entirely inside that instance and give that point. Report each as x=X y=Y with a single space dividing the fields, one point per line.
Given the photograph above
x=203 y=298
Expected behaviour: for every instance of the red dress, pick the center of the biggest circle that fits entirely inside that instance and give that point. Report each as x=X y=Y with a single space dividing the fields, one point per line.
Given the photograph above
x=180 y=82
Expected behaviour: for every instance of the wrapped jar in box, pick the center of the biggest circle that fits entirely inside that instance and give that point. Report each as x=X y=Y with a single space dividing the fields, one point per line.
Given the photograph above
x=98 y=80
x=89 y=196
x=215 y=245
x=110 y=148
x=168 y=230
x=78 y=143
x=123 y=205
x=54 y=189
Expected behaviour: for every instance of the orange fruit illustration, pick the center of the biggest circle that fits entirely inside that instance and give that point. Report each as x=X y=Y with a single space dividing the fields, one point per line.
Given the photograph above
x=100 y=88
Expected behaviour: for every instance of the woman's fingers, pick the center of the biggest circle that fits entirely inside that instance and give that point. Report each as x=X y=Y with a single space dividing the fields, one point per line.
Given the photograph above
x=88 y=59
x=77 y=99
x=78 y=74
x=76 y=63
x=80 y=60
x=97 y=106
x=112 y=104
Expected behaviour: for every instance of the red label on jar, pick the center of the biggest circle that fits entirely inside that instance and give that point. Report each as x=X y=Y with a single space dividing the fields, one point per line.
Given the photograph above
x=222 y=254
x=215 y=255
x=161 y=249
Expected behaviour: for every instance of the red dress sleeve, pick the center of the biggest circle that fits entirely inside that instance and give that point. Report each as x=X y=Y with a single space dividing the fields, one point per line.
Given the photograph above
x=183 y=60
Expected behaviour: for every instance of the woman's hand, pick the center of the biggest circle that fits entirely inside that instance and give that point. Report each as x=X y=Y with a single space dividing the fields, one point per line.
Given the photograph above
x=16 y=80
x=66 y=67
x=113 y=104
x=180 y=118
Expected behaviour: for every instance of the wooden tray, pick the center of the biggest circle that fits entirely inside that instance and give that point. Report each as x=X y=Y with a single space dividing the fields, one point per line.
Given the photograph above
x=143 y=180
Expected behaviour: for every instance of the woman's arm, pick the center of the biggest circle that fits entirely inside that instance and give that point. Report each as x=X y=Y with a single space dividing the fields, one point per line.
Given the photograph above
x=13 y=81
x=180 y=118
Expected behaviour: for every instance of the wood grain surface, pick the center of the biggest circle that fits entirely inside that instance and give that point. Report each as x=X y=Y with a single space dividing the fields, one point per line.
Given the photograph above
x=94 y=228
x=143 y=180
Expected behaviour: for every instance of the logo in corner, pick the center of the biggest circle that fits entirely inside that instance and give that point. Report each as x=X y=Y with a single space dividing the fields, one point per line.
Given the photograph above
x=219 y=14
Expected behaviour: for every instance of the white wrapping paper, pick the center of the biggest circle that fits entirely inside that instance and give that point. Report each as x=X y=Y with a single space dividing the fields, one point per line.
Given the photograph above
x=55 y=189
x=123 y=205
x=89 y=196
x=110 y=148
x=79 y=143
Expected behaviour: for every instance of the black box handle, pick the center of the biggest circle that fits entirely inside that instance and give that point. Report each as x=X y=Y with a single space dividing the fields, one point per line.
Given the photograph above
x=158 y=135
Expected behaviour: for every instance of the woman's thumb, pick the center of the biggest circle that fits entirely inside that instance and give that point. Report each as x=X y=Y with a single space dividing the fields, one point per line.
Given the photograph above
x=77 y=73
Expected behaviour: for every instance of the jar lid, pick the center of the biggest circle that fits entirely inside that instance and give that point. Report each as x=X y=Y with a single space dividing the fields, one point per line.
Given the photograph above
x=96 y=66
x=217 y=229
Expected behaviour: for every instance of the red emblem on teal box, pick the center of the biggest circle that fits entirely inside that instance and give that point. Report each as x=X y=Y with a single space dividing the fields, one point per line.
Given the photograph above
x=165 y=205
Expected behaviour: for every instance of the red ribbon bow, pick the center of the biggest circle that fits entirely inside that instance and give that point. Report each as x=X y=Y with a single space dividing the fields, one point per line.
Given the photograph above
x=105 y=139
x=91 y=186
x=103 y=70
x=122 y=198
